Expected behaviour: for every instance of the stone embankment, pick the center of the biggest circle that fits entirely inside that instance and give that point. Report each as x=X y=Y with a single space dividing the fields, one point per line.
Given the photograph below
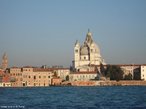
x=105 y=83
x=123 y=83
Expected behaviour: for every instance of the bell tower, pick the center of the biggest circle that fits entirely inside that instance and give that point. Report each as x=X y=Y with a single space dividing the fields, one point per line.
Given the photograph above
x=76 y=54
x=4 y=61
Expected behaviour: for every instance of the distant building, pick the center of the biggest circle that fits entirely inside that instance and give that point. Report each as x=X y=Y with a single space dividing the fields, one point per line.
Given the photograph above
x=36 y=77
x=87 y=54
x=132 y=69
x=56 y=81
x=143 y=72
x=4 y=61
x=29 y=76
x=82 y=76
x=32 y=76
x=16 y=76
x=138 y=71
x=4 y=79
x=61 y=73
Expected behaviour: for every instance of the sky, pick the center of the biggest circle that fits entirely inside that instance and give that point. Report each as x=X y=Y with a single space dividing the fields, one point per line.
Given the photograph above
x=43 y=32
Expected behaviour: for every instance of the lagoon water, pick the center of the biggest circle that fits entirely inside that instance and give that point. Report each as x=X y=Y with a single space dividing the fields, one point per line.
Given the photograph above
x=113 y=97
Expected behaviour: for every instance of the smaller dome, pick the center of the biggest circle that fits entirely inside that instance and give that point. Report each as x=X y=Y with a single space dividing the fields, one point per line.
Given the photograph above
x=84 y=50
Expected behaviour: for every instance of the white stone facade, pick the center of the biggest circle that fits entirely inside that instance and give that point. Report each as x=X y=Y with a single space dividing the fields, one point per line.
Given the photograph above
x=62 y=73
x=87 y=54
x=5 y=84
x=143 y=72
x=82 y=76
x=130 y=69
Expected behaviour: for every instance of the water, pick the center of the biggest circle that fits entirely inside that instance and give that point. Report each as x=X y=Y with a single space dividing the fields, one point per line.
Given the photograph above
x=115 y=97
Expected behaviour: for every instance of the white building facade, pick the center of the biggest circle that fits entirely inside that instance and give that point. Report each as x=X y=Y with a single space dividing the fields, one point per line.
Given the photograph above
x=82 y=76
x=143 y=72
x=62 y=73
x=87 y=54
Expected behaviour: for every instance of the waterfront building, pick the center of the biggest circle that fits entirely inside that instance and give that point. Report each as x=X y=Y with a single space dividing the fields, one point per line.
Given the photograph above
x=82 y=76
x=61 y=73
x=4 y=62
x=4 y=79
x=143 y=72
x=56 y=81
x=16 y=76
x=36 y=76
x=87 y=54
x=133 y=69
x=29 y=76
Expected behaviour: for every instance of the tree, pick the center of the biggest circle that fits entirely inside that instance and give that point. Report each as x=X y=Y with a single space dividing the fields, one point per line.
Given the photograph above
x=137 y=75
x=102 y=69
x=67 y=78
x=114 y=72
x=128 y=77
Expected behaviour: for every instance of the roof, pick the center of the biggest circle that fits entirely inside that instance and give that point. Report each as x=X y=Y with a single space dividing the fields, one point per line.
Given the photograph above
x=6 y=78
x=93 y=72
x=41 y=69
x=128 y=64
x=1 y=72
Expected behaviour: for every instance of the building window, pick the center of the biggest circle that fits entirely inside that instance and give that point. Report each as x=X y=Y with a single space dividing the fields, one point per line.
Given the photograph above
x=76 y=51
x=34 y=77
x=84 y=57
x=39 y=76
x=48 y=76
x=91 y=50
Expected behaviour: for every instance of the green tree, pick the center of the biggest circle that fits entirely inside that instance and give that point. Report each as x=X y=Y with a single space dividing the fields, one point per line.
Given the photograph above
x=114 y=72
x=137 y=75
x=67 y=78
x=102 y=69
x=128 y=77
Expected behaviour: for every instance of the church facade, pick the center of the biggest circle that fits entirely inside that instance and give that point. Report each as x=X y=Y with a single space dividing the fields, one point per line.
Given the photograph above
x=87 y=54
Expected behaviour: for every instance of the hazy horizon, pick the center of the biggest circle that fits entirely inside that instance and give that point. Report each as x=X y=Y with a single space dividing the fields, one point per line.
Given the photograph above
x=44 y=32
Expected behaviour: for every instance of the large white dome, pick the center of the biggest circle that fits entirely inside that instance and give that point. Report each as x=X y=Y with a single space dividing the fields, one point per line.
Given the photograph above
x=84 y=50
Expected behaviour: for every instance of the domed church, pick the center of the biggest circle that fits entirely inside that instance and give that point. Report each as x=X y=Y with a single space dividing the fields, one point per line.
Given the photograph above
x=87 y=54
